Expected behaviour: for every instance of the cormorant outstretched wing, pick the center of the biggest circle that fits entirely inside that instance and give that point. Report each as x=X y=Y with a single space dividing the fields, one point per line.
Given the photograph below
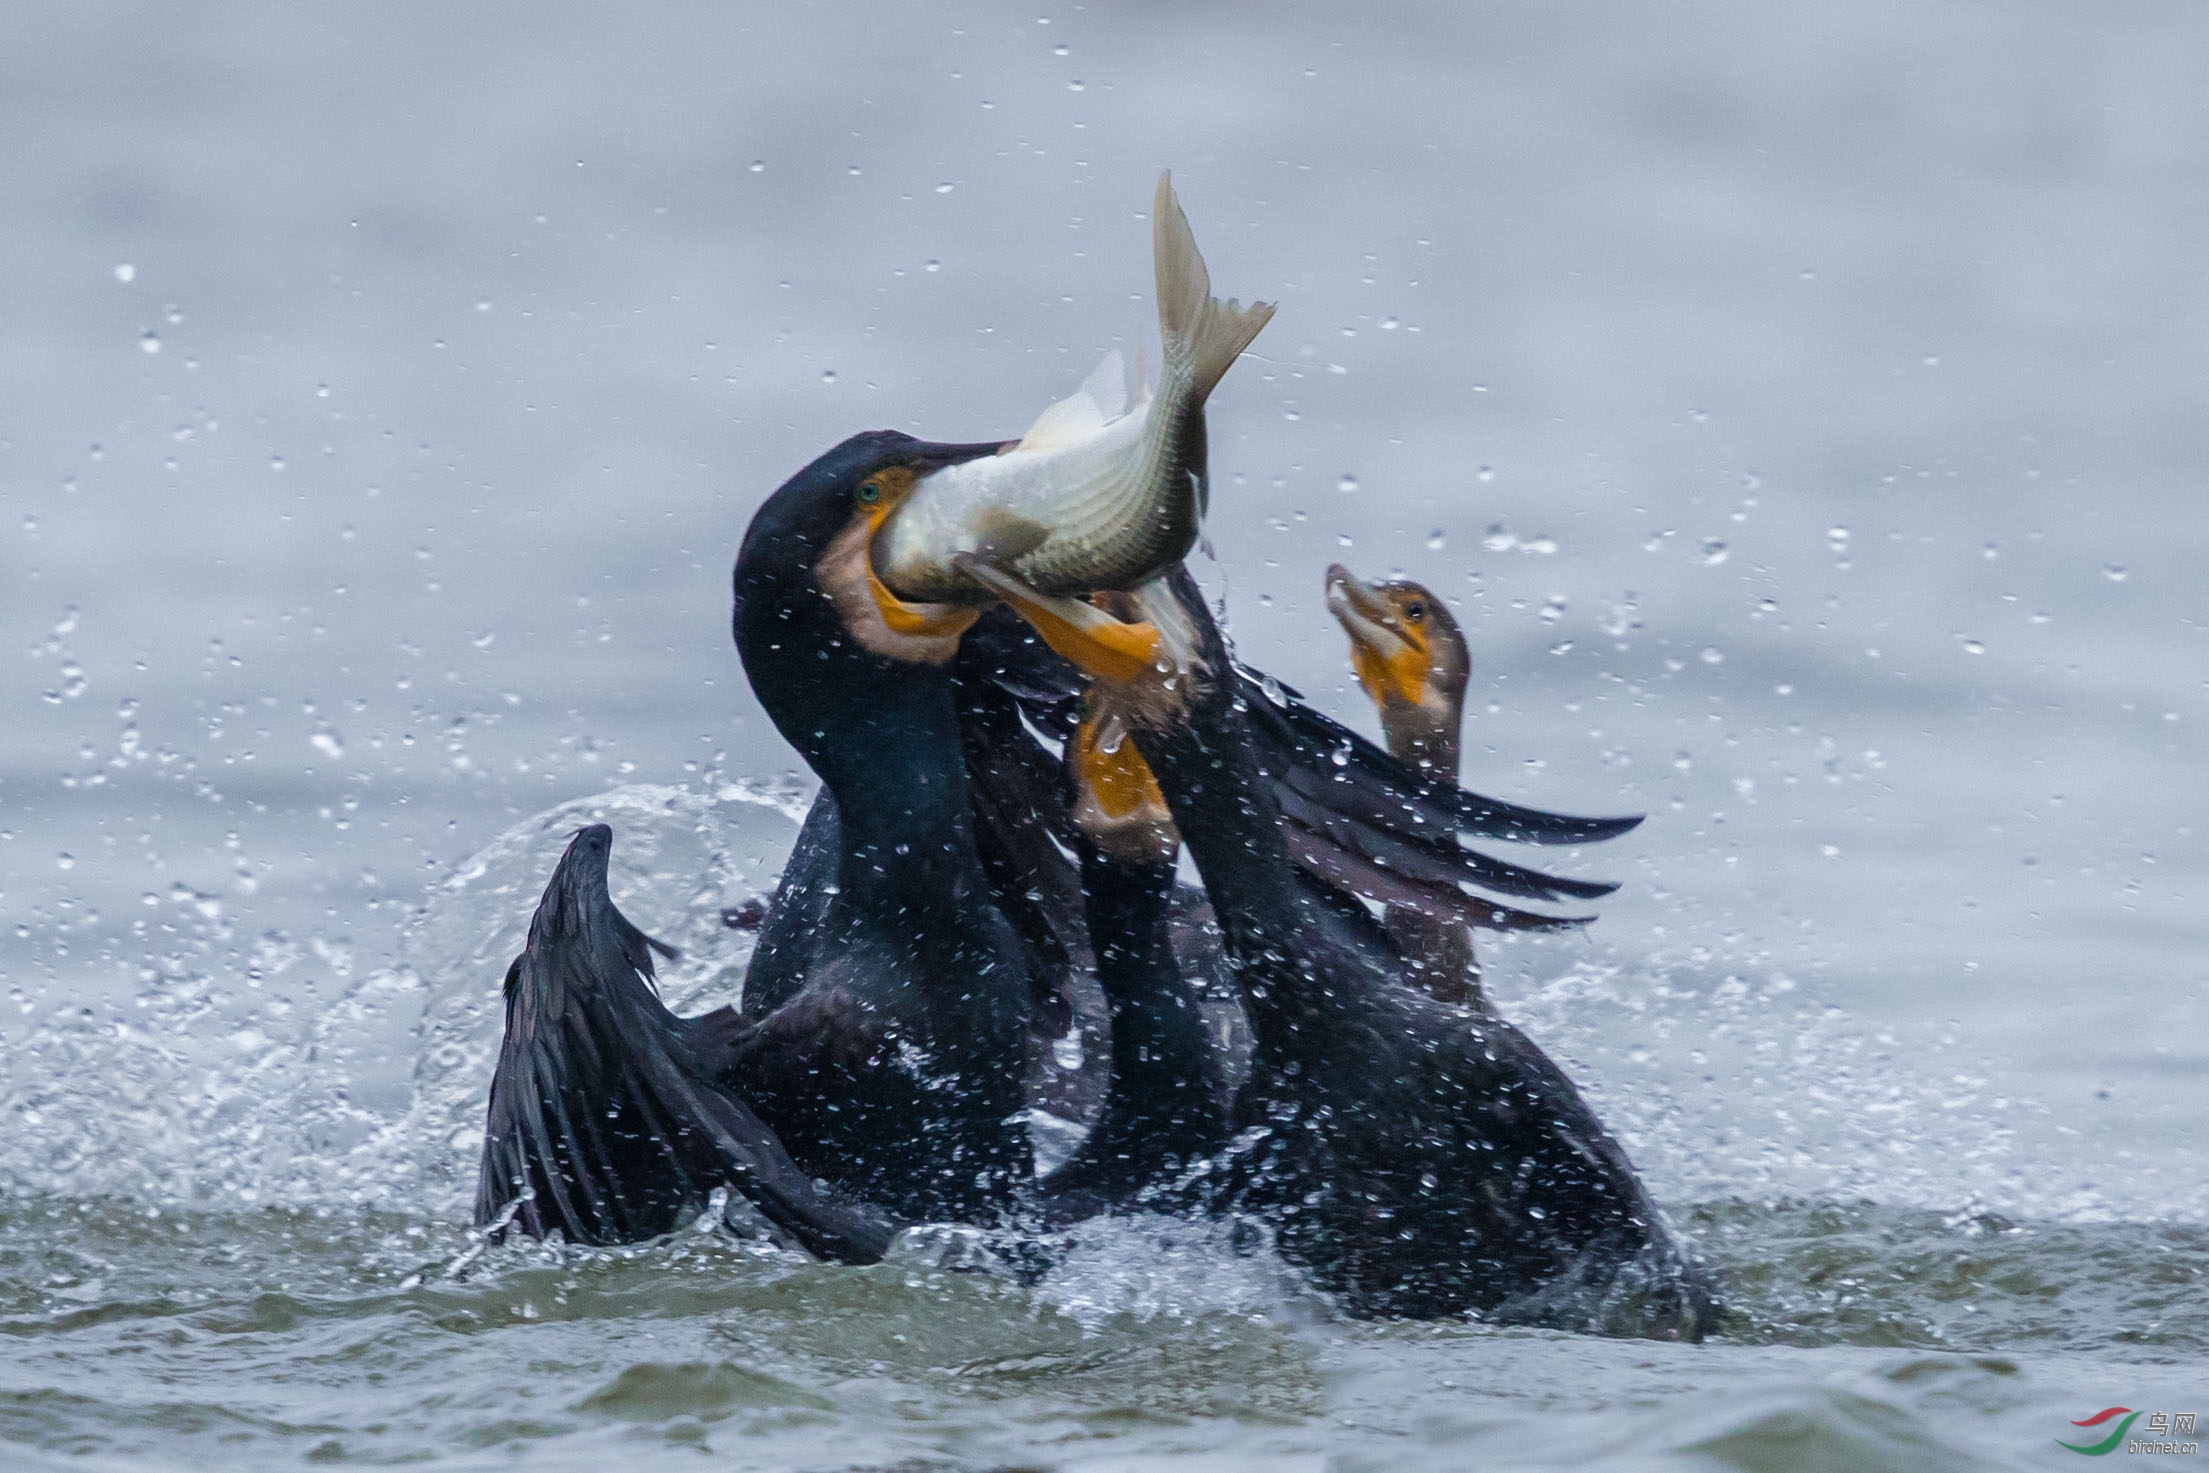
x=604 y=1121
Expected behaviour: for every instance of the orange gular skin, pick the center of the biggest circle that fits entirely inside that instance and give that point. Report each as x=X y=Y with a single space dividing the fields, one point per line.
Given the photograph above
x=1398 y=676
x=1119 y=780
x=890 y=488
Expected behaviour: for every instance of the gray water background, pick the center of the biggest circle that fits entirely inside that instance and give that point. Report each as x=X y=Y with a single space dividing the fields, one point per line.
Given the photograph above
x=1801 y=408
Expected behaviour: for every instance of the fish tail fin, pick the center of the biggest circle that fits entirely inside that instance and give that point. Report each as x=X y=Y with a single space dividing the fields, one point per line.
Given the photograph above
x=1192 y=321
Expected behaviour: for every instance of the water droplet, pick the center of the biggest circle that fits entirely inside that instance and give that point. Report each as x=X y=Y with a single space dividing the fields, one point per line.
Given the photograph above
x=1075 y=87
x=322 y=391
x=1713 y=656
x=1058 y=50
x=1485 y=474
x=852 y=170
x=1972 y=646
x=328 y=743
x=149 y=341
x=1347 y=484
x=276 y=462
x=66 y=860
x=483 y=304
x=932 y=266
x=828 y=375
x=125 y=272
x=1714 y=552
x=1436 y=541
x=945 y=188
x=759 y=166
x=2115 y=573
x=1837 y=538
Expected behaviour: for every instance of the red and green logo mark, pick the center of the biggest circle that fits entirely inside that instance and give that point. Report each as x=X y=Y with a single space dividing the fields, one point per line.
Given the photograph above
x=2162 y=1426
x=2109 y=1443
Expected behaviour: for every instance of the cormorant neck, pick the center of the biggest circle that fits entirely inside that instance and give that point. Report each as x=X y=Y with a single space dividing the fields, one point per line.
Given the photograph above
x=1224 y=805
x=881 y=734
x=1424 y=736
x=893 y=760
x=1128 y=905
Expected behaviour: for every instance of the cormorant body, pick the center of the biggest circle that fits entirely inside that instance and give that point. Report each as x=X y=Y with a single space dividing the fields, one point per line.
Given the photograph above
x=1419 y=1159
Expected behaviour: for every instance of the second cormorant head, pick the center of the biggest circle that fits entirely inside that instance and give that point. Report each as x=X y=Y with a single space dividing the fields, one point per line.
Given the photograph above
x=1412 y=660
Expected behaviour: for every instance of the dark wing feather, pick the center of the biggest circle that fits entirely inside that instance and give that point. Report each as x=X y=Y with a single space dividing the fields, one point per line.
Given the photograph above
x=1318 y=855
x=606 y=1127
x=1419 y=862
x=1331 y=764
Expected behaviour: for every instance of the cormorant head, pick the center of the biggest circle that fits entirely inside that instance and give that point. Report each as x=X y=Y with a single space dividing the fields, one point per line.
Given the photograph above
x=1406 y=648
x=811 y=541
x=857 y=680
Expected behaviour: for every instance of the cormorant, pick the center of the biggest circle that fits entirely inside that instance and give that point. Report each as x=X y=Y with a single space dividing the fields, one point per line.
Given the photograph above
x=1418 y=1158
x=892 y=1067
x=1412 y=660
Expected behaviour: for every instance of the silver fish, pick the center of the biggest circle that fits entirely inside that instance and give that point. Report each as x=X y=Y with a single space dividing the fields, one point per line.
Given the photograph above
x=1096 y=495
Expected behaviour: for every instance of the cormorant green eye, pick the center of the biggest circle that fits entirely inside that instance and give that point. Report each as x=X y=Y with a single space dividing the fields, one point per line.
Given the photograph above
x=870 y=492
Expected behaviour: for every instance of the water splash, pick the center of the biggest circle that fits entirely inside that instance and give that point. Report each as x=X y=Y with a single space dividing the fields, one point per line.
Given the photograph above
x=266 y=1071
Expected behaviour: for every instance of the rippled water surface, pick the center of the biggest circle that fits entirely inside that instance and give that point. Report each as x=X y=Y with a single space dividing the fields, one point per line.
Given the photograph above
x=1801 y=409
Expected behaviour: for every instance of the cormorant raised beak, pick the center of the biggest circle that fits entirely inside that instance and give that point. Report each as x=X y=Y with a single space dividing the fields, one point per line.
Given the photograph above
x=1388 y=638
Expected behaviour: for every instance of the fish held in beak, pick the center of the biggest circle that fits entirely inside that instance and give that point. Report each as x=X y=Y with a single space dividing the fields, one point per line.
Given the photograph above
x=1097 y=494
